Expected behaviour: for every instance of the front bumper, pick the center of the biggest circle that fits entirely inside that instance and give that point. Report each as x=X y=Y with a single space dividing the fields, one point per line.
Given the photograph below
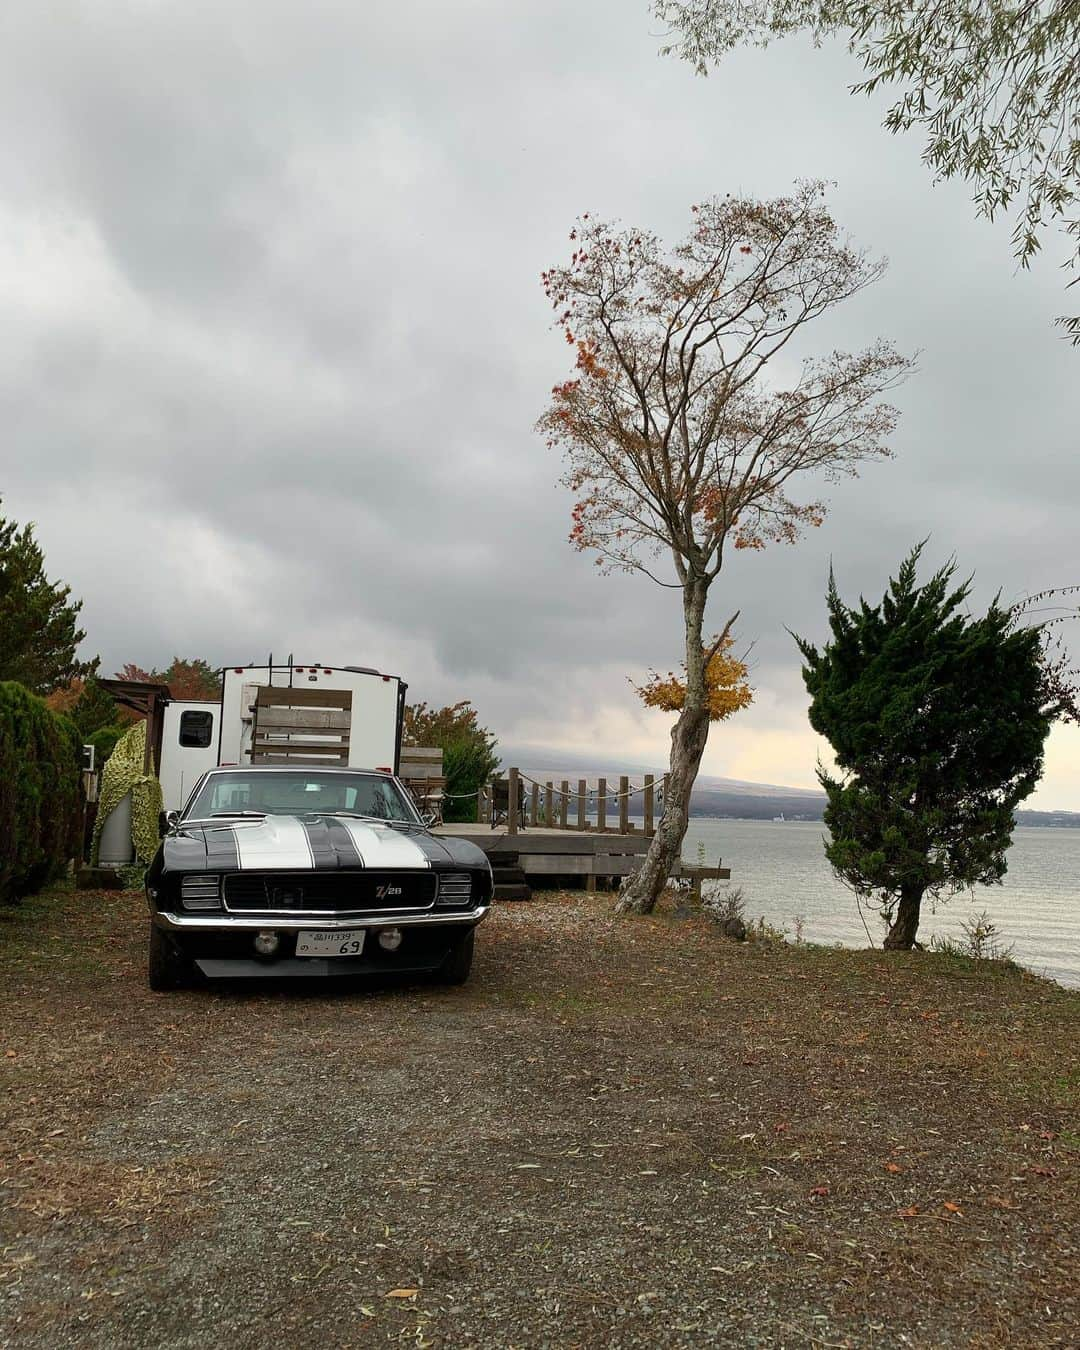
x=220 y=945
x=240 y=923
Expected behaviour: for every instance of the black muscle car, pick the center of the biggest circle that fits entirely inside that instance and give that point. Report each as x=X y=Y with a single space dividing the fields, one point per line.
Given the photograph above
x=282 y=871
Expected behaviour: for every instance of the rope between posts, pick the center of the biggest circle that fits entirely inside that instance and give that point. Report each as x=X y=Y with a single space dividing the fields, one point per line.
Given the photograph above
x=597 y=796
x=594 y=795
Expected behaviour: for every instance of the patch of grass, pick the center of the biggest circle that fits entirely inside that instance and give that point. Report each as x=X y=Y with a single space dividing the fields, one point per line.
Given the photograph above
x=879 y=1137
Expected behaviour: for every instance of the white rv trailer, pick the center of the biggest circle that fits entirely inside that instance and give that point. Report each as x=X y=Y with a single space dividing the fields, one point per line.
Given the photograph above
x=345 y=716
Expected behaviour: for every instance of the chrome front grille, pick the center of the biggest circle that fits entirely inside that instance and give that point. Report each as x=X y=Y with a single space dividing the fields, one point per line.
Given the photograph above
x=200 y=892
x=455 y=888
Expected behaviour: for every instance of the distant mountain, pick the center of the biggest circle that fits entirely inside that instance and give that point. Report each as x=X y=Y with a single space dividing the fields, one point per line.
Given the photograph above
x=765 y=804
x=730 y=798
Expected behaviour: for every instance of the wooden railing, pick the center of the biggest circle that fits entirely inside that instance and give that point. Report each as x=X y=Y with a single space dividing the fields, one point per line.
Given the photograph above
x=519 y=802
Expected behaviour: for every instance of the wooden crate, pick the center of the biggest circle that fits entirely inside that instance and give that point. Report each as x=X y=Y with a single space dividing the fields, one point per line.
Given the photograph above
x=301 y=725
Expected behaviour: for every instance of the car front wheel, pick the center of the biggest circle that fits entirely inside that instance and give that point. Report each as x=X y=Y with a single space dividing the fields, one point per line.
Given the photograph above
x=455 y=969
x=166 y=967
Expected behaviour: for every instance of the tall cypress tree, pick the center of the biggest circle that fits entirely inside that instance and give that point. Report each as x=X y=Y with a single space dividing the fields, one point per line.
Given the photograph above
x=39 y=631
x=937 y=721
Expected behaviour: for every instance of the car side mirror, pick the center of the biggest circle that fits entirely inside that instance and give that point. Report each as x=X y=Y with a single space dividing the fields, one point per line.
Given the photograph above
x=166 y=821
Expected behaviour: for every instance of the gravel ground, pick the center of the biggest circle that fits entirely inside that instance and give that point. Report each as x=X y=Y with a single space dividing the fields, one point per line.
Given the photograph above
x=628 y=1133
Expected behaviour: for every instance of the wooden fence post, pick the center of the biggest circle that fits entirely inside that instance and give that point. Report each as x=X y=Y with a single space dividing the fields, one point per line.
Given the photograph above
x=624 y=805
x=648 y=803
x=512 y=802
x=534 y=805
x=564 y=804
x=582 y=790
x=549 y=805
x=601 y=805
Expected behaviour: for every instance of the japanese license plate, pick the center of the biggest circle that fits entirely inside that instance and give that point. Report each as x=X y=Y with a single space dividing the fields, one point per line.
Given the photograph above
x=344 y=942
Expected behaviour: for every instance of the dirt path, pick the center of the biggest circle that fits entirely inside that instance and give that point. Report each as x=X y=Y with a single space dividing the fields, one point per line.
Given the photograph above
x=619 y=1133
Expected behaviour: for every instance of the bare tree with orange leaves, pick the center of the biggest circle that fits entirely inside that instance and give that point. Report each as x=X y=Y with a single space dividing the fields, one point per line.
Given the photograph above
x=689 y=416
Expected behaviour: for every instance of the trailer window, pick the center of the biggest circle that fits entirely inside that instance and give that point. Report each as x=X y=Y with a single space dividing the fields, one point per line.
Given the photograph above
x=196 y=729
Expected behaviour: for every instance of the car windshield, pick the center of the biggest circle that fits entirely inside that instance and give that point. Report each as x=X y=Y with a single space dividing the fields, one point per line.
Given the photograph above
x=293 y=792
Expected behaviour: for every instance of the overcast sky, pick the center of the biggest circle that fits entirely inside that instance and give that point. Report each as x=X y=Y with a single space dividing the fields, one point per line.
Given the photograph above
x=272 y=344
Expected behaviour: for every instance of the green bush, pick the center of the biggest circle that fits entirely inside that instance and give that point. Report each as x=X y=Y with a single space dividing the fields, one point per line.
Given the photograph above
x=104 y=743
x=469 y=757
x=41 y=798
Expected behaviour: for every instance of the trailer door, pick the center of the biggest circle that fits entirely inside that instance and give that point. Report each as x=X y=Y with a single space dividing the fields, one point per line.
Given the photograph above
x=188 y=748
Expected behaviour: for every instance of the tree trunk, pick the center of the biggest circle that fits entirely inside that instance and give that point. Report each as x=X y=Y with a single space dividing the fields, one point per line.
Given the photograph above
x=902 y=934
x=688 y=738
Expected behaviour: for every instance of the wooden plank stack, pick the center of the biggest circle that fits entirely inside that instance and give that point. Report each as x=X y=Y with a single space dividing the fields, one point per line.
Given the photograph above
x=305 y=726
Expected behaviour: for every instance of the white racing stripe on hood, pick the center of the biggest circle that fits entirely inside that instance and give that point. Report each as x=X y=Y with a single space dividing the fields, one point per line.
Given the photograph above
x=379 y=846
x=278 y=842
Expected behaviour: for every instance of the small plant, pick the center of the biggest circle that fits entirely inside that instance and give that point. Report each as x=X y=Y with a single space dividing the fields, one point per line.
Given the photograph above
x=729 y=903
x=800 y=929
x=767 y=932
x=132 y=876
x=981 y=941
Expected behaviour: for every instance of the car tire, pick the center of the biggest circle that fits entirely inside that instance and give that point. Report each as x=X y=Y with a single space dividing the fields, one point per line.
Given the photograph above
x=455 y=969
x=166 y=968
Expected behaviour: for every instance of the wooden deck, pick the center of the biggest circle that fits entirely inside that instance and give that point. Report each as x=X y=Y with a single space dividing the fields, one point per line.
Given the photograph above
x=585 y=860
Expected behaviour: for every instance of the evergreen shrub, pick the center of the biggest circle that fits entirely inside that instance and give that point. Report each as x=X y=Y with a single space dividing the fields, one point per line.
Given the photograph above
x=104 y=742
x=41 y=796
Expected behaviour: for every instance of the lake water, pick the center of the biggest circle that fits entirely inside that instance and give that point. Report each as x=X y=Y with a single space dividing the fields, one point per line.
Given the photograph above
x=783 y=872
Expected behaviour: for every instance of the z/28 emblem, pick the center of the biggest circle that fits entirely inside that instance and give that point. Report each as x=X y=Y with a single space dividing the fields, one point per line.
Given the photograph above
x=384 y=892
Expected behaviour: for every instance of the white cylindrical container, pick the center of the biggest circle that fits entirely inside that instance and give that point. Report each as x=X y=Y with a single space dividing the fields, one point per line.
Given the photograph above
x=116 y=848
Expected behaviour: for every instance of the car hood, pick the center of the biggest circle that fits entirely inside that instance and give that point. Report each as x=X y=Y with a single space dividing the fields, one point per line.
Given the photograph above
x=310 y=843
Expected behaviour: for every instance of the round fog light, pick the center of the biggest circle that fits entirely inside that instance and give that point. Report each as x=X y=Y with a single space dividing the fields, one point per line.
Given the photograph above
x=390 y=939
x=267 y=943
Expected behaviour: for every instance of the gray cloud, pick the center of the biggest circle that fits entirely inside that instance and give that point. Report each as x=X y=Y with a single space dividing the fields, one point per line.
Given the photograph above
x=272 y=344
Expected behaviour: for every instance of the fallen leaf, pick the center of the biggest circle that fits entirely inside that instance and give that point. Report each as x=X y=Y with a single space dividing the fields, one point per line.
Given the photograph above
x=819 y=1190
x=1043 y=1171
x=953 y=1208
x=893 y=1167
x=911 y=1212
x=402 y=1293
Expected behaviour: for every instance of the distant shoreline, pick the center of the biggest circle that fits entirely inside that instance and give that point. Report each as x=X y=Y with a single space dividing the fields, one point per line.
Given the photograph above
x=1027 y=820
x=717 y=804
